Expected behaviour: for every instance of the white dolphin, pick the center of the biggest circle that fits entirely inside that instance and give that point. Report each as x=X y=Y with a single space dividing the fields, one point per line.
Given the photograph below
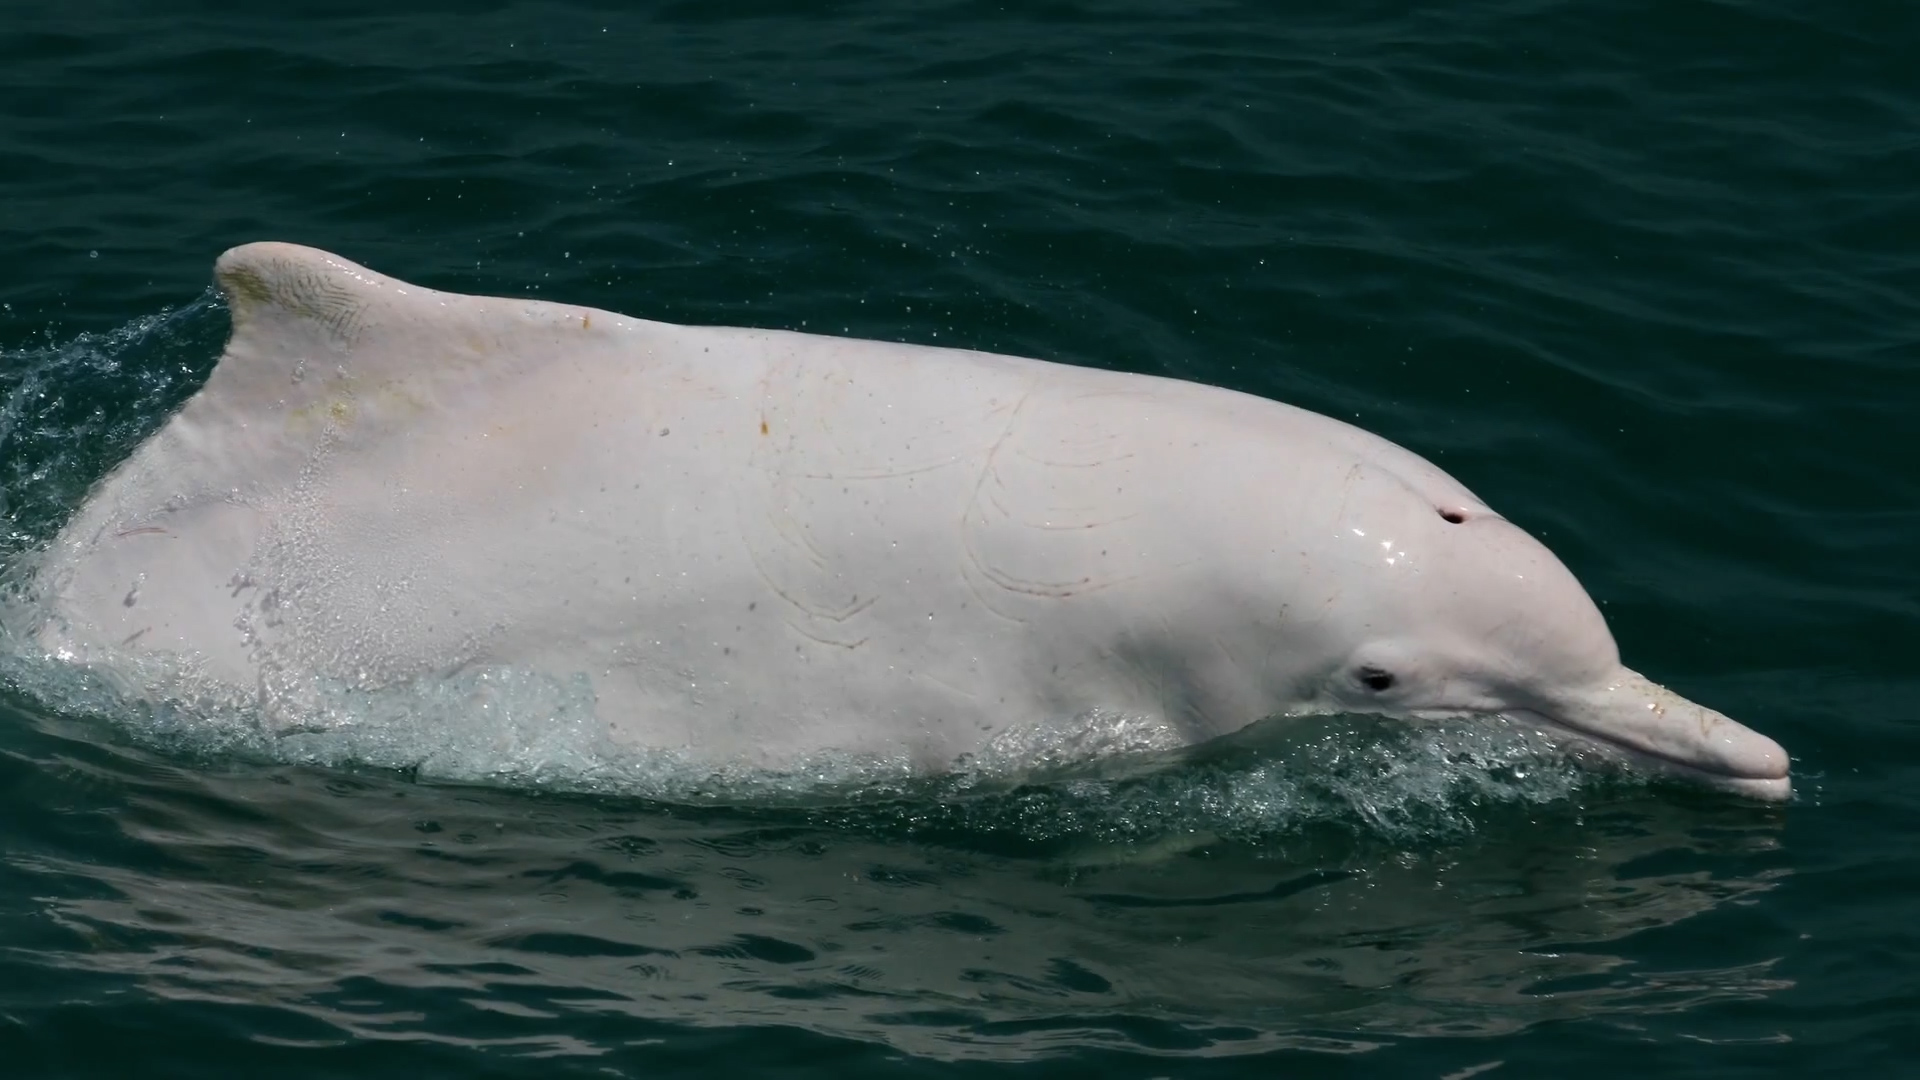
x=757 y=546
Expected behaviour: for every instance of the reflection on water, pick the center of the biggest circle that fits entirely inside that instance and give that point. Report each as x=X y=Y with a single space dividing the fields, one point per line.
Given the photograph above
x=951 y=923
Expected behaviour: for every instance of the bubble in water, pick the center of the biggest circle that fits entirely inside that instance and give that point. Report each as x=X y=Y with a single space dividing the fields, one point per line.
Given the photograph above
x=93 y=254
x=70 y=410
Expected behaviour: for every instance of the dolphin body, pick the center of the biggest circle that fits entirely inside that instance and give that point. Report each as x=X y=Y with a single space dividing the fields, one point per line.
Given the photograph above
x=755 y=546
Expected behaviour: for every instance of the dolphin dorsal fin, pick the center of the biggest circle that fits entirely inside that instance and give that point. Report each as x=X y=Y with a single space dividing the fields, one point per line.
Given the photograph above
x=327 y=353
x=320 y=340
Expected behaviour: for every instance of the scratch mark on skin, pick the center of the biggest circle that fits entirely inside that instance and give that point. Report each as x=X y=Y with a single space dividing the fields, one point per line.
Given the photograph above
x=133 y=637
x=142 y=530
x=1346 y=490
x=767 y=580
x=811 y=636
x=795 y=534
x=983 y=497
x=782 y=521
x=984 y=602
x=1059 y=590
x=770 y=460
x=993 y=500
x=973 y=503
x=938 y=681
x=854 y=607
x=1226 y=650
x=889 y=474
x=839 y=615
x=1049 y=526
x=1052 y=464
x=806 y=537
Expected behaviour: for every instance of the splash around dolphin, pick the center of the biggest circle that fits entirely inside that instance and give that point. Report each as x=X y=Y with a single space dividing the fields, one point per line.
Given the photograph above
x=754 y=546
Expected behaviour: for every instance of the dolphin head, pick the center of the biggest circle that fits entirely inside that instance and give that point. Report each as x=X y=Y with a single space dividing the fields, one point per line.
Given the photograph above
x=1474 y=617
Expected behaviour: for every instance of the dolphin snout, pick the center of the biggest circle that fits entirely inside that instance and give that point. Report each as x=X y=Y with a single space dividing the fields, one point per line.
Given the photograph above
x=1633 y=713
x=1738 y=750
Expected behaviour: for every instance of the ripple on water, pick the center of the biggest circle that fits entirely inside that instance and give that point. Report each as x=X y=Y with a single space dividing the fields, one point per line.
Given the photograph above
x=1200 y=908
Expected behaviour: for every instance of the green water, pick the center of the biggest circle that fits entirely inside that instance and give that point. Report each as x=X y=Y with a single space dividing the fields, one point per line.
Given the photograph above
x=1646 y=276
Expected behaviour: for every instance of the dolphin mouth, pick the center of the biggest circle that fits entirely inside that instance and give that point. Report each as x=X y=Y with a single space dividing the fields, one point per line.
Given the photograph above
x=1761 y=773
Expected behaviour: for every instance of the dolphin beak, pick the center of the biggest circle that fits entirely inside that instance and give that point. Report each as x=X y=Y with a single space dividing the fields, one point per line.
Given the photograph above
x=1652 y=724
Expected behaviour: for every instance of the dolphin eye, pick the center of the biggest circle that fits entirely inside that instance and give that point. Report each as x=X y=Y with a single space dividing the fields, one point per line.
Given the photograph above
x=1375 y=679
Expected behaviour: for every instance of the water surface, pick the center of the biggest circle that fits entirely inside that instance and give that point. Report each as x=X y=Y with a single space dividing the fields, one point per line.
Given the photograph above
x=1644 y=276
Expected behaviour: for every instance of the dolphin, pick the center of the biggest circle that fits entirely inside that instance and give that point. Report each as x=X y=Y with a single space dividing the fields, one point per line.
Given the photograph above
x=754 y=546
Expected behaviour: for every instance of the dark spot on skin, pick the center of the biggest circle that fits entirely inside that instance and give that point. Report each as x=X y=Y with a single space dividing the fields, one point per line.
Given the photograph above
x=1375 y=679
x=1452 y=517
